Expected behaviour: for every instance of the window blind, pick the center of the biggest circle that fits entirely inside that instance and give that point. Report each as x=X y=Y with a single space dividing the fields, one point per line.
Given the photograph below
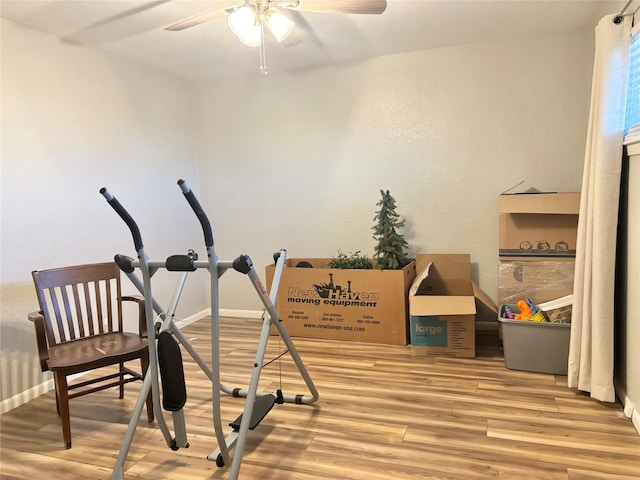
x=632 y=117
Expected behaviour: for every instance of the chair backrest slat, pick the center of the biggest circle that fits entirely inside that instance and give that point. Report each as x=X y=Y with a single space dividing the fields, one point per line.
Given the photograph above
x=69 y=316
x=57 y=315
x=109 y=301
x=96 y=287
x=89 y=308
x=79 y=316
x=80 y=301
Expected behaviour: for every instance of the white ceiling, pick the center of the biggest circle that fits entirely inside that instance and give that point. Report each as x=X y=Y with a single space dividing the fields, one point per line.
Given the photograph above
x=135 y=28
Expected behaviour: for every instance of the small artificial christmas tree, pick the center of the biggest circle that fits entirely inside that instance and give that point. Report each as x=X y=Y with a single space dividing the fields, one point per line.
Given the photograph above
x=390 y=251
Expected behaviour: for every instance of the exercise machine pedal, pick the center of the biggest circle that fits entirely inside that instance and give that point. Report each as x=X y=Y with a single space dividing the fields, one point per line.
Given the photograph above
x=261 y=407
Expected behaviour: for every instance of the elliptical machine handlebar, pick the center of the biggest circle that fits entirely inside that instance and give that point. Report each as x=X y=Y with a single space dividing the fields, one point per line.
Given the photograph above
x=128 y=219
x=197 y=209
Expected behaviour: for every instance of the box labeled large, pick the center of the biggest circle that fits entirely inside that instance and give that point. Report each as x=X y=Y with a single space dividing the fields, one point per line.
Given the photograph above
x=538 y=224
x=442 y=306
x=316 y=301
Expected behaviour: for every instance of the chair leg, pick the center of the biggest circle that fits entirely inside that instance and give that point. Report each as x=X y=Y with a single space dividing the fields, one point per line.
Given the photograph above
x=63 y=407
x=121 y=386
x=144 y=360
x=55 y=384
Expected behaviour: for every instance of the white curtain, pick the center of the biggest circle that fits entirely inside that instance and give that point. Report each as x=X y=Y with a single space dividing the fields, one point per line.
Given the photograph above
x=590 y=366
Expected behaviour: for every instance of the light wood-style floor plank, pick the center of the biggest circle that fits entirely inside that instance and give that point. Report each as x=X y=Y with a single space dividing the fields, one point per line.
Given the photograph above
x=382 y=414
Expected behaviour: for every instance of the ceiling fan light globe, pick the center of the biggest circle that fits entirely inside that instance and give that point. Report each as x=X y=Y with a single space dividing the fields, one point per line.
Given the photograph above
x=242 y=21
x=252 y=39
x=280 y=25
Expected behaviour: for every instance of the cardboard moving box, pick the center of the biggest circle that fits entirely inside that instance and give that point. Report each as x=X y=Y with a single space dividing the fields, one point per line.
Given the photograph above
x=541 y=279
x=357 y=305
x=538 y=224
x=442 y=306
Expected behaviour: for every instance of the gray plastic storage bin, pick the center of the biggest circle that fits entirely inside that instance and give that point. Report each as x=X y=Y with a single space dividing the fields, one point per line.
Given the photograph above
x=541 y=347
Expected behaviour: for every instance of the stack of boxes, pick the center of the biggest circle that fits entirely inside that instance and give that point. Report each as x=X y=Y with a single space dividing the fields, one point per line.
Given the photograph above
x=317 y=301
x=537 y=247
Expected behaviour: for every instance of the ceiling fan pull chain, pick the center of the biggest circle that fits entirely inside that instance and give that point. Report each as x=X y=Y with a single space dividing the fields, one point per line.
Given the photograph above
x=263 y=57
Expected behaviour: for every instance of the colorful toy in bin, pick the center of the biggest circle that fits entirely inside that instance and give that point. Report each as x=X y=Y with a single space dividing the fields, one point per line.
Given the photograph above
x=538 y=314
x=525 y=311
x=530 y=311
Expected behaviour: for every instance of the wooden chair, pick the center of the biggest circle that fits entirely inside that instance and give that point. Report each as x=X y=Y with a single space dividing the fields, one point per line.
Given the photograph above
x=80 y=328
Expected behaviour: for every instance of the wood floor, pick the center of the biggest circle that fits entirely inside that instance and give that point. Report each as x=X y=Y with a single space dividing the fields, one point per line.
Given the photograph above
x=382 y=414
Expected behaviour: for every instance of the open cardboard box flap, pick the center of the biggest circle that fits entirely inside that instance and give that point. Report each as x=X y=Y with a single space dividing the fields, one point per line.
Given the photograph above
x=444 y=265
x=443 y=287
x=483 y=298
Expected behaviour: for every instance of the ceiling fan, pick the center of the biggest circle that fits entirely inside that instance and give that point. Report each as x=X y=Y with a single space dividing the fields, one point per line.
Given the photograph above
x=249 y=19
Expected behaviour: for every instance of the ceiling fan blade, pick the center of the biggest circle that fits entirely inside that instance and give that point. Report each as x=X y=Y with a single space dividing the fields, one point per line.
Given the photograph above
x=201 y=18
x=119 y=26
x=333 y=6
x=303 y=30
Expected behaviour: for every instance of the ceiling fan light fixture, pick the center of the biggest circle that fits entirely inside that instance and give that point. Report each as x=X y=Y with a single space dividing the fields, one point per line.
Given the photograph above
x=280 y=25
x=243 y=21
x=252 y=39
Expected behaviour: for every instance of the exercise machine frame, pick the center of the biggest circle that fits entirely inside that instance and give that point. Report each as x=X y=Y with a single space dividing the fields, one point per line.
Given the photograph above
x=257 y=404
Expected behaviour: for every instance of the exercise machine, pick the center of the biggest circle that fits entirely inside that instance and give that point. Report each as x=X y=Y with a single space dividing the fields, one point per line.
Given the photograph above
x=165 y=338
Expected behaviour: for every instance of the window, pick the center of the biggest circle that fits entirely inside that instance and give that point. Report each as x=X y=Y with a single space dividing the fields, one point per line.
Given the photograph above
x=632 y=119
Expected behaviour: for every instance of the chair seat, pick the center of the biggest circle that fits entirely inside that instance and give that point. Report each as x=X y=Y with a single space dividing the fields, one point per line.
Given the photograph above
x=95 y=351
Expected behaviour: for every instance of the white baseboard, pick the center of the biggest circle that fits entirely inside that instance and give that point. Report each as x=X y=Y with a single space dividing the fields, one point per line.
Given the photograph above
x=228 y=312
x=26 y=396
x=635 y=420
x=632 y=412
x=193 y=318
x=224 y=312
x=31 y=394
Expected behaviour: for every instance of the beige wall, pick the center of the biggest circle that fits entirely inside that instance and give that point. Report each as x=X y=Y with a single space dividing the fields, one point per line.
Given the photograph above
x=297 y=160
x=75 y=120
